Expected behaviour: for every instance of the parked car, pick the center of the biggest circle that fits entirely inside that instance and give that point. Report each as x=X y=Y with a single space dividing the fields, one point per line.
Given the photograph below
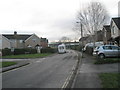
x=91 y=45
x=107 y=51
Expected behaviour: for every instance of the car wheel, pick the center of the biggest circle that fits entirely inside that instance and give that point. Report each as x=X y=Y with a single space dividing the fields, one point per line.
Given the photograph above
x=101 y=56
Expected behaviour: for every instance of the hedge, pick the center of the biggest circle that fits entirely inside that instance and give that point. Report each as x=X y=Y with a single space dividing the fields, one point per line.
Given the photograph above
x=48 y=50
x=89 y=50
x=6 y=51
x=18 y=51
x=25 y=51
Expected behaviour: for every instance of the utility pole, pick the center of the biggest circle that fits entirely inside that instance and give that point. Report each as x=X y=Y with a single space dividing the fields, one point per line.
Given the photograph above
x=81 y=37
x=82 y=40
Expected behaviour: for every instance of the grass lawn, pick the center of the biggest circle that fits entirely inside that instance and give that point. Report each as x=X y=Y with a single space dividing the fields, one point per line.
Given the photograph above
x=107 y=60
x=110 y=80
x=5 y=64
x=24 y=56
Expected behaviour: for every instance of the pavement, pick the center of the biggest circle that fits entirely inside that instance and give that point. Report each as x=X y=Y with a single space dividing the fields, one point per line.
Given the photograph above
x=87 y=74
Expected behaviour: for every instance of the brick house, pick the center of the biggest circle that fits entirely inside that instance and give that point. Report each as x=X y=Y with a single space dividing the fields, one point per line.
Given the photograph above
x=44 y=42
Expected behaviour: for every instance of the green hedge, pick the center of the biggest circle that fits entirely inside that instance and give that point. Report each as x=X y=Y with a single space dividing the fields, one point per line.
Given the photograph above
x=25 y=51
x=18 y=51
x=76 y=47
x=6 y=51
x=48 y=50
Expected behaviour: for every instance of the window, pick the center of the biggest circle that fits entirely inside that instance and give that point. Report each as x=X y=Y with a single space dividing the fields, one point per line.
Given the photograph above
x=115 y=48
x=107 y=47
x=98 y=47
x=113 y=30
x=105 y=34
x=21 y=41
x=34 y=40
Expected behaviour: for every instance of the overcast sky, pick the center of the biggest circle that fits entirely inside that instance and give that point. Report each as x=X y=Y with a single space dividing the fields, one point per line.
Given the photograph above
x=46 y=18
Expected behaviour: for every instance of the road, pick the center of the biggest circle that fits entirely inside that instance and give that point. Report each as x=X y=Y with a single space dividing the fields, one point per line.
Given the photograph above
x=49 y=72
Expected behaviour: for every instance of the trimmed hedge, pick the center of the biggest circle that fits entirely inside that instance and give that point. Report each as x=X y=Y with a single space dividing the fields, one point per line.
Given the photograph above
x=6 y=51
x=25 y=51
x=48 y=50
x=18 y=51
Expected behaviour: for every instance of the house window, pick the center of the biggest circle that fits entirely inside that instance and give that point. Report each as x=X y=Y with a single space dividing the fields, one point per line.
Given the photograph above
x=113 y=30
x=34 y=40
x=21 y=41
x=105 y=34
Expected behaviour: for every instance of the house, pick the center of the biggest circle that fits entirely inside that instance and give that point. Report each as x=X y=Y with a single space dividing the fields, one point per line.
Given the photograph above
x=115 y=30
x=4 y=42
x=84 y=40
x=44 y=42
x=90 y=38
x=19 y=40
x=106 y=34
x=99 y=37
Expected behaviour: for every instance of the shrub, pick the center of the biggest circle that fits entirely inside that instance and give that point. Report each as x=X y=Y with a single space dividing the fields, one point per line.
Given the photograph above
x=48 y=50
x=25 y=51
x=19 y=51
x=89 y=50
x=6 y=51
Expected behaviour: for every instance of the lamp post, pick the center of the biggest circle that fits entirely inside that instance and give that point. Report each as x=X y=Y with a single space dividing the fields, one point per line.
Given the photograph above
x=81 y=37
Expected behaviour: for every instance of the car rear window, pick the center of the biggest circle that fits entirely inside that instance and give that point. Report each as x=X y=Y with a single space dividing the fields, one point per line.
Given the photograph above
x=115 y=48
x=107 y=47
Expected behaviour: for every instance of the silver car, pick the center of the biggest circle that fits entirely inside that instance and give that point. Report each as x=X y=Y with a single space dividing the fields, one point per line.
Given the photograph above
x=107 y=51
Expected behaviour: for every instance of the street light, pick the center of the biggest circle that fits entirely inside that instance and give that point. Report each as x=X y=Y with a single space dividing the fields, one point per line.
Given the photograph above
x=81 y=37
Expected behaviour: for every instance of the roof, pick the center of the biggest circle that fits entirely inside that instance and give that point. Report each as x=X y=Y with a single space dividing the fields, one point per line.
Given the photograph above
x=83 y=38
x=117 y=21
x=44 y=39
x=107 y=27
x=18 y=36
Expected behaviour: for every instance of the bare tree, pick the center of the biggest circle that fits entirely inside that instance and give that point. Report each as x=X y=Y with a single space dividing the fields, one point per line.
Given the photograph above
x=92 y=18
x=65 y=39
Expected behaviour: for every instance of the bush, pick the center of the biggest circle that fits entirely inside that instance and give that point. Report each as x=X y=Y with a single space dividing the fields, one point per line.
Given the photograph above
x=25 y=51
x=76 y=47
x=48 y=50
x=89 y=50
x=6 y=51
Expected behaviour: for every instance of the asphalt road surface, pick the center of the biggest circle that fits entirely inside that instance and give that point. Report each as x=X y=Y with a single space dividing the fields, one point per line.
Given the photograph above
x=49 y=72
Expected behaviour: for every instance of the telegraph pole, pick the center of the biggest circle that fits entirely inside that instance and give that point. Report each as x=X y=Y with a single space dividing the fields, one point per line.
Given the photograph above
x=81 y=37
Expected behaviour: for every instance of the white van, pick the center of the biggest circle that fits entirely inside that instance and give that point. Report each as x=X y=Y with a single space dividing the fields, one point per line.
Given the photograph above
x=61 y=48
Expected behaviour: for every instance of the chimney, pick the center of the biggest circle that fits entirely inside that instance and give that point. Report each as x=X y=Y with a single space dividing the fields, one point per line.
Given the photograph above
x=15 y=33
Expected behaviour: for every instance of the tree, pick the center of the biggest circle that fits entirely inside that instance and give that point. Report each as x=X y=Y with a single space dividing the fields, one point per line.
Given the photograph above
x=65 y=39
x=92 y=18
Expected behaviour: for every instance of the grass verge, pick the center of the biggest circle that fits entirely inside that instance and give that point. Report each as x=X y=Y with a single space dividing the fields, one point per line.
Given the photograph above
x=110 y=80
x=107 y=60
x=25 y=56
x=6 y=64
